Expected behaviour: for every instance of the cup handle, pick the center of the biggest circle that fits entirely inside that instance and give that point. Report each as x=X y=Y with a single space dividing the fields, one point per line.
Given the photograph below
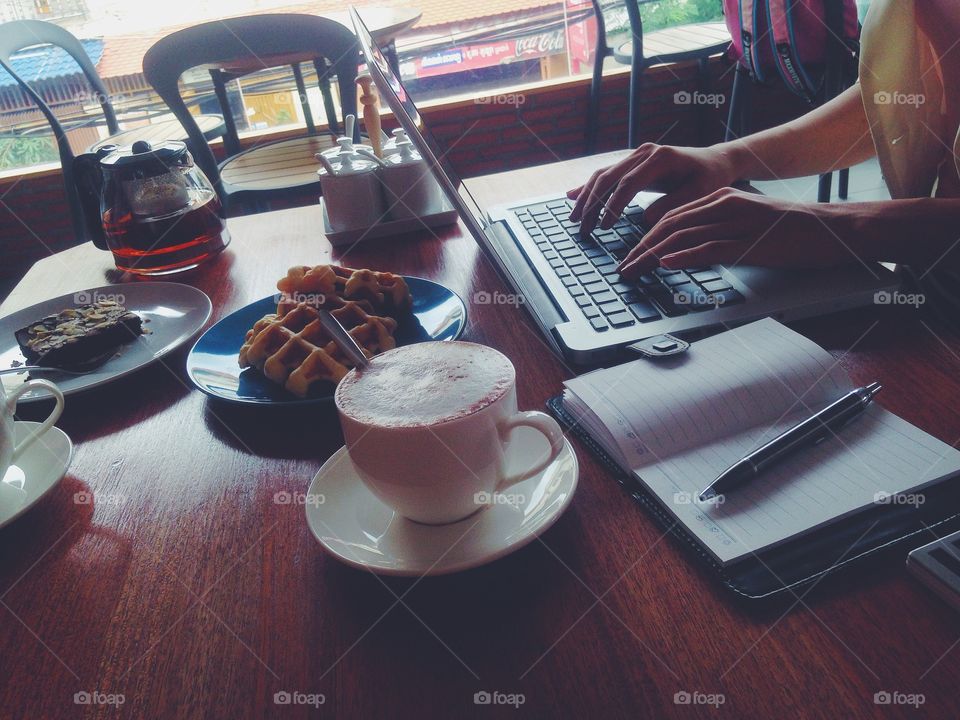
x=538 y=421
x=11 y=405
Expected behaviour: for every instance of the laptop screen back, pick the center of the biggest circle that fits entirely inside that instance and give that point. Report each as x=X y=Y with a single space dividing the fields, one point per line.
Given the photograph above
x=401 y=104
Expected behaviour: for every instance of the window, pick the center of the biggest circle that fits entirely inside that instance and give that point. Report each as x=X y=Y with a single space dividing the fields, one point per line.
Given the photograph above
x=450 y=49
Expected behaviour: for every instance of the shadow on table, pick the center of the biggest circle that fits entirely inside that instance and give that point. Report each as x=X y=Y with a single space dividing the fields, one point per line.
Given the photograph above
x=291 y=432
x=50 y=530
x=478 y=613
x=121 y=403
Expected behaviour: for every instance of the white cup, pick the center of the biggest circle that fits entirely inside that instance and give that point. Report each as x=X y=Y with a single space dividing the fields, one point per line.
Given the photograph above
x=9 y=450
x=446 y=471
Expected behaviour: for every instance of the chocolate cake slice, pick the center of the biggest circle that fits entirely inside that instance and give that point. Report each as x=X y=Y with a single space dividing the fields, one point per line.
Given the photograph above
x=79 y=336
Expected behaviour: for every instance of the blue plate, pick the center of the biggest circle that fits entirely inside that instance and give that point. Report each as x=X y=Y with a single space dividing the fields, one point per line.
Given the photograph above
x=438 y=314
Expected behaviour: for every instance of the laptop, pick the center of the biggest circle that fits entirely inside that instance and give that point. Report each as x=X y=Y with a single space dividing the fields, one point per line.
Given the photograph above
x=586 y=312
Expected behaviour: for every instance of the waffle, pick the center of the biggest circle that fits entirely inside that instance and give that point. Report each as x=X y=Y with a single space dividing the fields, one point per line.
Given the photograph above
x=327 y=286
x=294 y=349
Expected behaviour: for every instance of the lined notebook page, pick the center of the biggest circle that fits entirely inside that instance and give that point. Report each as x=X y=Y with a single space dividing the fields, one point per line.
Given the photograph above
x=676 y=428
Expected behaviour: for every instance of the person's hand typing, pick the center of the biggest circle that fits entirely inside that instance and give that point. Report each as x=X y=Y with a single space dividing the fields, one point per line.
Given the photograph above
x=684 y=174
x=738 y=228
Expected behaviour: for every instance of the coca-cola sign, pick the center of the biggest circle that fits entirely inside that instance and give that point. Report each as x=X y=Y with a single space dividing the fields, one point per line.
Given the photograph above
x=539 y=45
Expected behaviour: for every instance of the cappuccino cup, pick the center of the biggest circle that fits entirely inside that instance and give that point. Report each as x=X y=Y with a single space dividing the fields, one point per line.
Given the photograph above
x=428 y=426
x=9 y=450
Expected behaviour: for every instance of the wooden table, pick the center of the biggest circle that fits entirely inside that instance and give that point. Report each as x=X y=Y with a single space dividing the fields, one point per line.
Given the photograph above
x=184 y=587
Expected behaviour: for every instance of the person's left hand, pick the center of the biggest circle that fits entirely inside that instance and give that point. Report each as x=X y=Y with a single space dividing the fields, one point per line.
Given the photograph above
x=734 y=227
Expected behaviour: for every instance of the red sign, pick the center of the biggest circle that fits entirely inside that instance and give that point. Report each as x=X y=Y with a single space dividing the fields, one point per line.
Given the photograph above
x=581 y=36
x=474 y=57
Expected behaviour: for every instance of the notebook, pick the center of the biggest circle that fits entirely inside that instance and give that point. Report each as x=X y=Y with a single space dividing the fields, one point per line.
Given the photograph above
x=677 y=422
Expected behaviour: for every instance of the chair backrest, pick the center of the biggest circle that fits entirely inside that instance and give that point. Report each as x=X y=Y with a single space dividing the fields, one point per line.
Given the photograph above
x=222 y=41
x=20 y=34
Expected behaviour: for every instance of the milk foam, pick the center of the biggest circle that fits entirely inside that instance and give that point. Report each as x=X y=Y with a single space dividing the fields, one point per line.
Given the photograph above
x=425 y=384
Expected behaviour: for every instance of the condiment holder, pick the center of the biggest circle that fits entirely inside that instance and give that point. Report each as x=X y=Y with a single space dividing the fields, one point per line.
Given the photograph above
x=352 y=190
x=411 y=190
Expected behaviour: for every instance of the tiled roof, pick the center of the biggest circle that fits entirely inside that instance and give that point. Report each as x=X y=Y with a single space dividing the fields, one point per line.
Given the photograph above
x=434 y=12
x=47 y=62
x=118 y=56
x=124 y=55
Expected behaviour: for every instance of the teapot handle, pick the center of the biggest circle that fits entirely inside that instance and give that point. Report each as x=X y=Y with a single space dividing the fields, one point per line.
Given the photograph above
x=88 y=181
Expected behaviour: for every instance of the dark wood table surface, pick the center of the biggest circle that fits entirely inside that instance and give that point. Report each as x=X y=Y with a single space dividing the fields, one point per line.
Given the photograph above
x=184 y=587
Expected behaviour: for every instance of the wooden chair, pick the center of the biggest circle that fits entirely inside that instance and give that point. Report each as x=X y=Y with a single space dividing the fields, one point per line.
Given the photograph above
x=269 y=170
x=695 y=41
x=21 y=34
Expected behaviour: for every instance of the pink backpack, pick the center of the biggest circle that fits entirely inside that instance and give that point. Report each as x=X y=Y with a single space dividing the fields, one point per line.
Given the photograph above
x=787 y=36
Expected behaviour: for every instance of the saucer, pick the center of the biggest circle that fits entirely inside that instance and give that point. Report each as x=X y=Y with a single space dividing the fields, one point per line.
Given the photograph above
x=358 y=529
x=35 y=473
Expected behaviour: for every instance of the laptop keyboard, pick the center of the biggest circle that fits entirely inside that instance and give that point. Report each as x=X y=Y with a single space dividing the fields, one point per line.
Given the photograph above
x=587 y=267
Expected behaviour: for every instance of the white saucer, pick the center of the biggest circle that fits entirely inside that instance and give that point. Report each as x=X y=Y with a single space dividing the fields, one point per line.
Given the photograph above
x=35 y=473
x=357 y=528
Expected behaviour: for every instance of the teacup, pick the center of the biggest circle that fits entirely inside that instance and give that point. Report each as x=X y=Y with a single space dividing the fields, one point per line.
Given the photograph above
x=10 y=450
x=428 y=426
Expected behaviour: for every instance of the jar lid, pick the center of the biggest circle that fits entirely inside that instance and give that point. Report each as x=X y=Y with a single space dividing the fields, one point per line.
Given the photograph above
x=404 y=153
x=348 y=161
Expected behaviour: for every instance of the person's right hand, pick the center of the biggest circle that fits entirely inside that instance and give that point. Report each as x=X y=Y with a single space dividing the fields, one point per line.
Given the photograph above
x=683 y=173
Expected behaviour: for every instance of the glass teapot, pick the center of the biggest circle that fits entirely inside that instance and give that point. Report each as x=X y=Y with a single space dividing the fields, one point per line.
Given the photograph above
x=151 y=206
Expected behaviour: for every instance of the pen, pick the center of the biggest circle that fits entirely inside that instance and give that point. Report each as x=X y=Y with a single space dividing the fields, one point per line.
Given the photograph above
x=806 y=433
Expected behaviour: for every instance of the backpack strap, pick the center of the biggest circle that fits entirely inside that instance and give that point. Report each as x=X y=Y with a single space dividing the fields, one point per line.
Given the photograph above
x=781 y=22
x=749 y=32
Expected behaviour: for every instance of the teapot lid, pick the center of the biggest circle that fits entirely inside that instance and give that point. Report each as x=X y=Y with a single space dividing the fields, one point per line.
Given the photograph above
x=143 y=155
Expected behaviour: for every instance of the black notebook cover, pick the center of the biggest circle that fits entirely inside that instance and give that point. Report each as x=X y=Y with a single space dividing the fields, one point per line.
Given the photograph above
x=788 y=570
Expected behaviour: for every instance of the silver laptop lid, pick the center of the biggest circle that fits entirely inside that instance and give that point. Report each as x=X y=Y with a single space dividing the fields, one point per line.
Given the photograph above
x=406 y=113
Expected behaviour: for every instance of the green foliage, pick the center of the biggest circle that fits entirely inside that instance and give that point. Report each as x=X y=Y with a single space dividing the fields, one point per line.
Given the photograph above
x=666 y=13
x=21 y=152
x=660 y=14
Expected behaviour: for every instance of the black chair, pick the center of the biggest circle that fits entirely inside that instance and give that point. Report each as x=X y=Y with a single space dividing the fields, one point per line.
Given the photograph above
x=21 y=34
x=694 y=41
x=270 y=170
x=837 y=73
x=221 y=76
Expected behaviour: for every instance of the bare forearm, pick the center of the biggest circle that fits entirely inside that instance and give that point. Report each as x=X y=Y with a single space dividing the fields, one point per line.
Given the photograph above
x=921 y=232
x=833 y=136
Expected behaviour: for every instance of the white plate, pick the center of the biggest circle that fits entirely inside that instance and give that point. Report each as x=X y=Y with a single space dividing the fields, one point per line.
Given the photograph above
x=358 y=529
x=35 y=473
x=172 y=314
